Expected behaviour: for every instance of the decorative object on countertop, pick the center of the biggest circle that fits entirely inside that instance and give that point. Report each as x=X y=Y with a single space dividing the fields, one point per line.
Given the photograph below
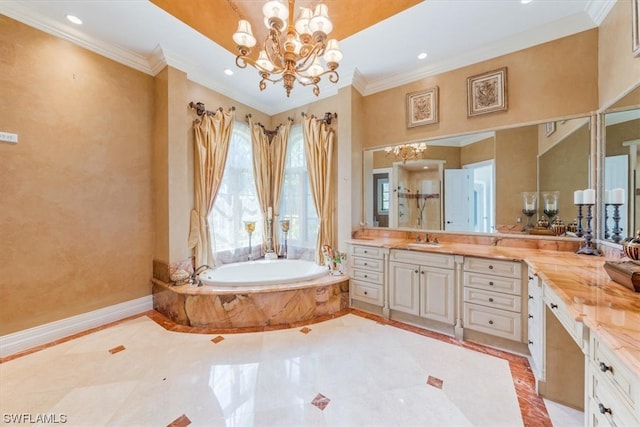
x=543 y=222
x=334 y=260
x=529 y=199
x=285 y=230
x=626 y=273
x=631 y=247
x=550 y=199
x=578 y=200
x=270 y=254
x=588 y=200
x=250 y=227
x=180 y=277
x=616 y=198
x=572 y=227
x=558 y=227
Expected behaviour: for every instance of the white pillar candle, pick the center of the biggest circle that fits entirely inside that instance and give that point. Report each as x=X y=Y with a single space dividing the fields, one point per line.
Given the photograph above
x=589 y=196
x=617 y=196
x=607 y=197
x=269 y=213
x=577 y=197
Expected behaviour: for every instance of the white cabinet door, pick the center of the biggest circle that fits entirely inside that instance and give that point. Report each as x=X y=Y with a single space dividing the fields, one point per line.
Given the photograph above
x=437 y=294
x=404 y=287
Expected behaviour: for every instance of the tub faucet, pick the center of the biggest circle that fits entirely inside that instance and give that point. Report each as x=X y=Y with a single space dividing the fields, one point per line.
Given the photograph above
x=194 y=277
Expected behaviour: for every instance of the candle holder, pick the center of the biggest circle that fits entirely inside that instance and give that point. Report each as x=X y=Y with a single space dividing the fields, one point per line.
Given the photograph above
x=551 y=214
x=285 y=230
x=579 y=232
x=550 y=199
x=270 y=254
x=616 y=222
x=529 y=199
x=587 y=248
x=250 y=227
x=607 y=231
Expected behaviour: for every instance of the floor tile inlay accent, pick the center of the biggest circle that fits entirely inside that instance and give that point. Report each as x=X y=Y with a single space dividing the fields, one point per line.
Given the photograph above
x=217 y=339
x=305 y=330
x=434 y=382
x=320 y=401
x=181 y=421
x=117 y=349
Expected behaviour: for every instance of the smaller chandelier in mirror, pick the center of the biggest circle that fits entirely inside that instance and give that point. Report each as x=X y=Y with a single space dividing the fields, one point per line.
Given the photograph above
x=406 y=152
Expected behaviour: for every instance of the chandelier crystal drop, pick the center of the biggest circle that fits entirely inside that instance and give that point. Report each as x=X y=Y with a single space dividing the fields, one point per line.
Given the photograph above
x=292 y=51
x=406 y=152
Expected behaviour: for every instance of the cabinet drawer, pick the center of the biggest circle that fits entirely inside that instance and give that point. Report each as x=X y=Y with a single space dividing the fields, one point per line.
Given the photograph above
x=493 y=299
x=575 y=329
x=367 y=263
x=622 y=380
x=368 y=276
x=493 y=267
x=605 y=402
x=367 y=251
x=492 y=283
x=366 y=292
x=423 y=258
x=491 y=321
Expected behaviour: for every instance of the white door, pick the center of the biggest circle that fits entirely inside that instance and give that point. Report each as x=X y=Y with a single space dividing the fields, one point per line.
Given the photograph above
x=457 y=200
x=436 y=294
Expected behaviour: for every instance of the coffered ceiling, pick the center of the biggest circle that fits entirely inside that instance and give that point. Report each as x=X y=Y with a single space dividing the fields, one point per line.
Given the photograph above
x=380 y=39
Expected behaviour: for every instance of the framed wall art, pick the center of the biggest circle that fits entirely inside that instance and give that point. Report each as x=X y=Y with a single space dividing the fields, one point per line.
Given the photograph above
x=422 y=107
x=487 y=92
x=635 y=26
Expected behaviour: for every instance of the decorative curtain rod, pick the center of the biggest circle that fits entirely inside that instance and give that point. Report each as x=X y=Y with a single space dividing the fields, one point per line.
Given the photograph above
x=201 y=110
x=270 y=133
x=327 y=117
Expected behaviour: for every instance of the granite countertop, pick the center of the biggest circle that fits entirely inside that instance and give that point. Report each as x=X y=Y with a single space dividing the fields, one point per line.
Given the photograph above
x=610 y=310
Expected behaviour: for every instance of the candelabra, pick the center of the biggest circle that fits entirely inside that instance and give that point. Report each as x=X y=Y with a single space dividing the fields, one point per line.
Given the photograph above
x=579 y=232
x=250 y=227
x=270 y=253
x=607 y=233
x=285 y=230
x=616 y=222
x=587 y=248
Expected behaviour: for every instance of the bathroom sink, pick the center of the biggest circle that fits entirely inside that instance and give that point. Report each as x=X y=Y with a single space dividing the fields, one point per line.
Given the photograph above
x=423 y=245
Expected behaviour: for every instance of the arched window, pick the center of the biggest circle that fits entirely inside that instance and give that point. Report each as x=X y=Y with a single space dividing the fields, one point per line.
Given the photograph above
x=296 y=203
x=236 y=203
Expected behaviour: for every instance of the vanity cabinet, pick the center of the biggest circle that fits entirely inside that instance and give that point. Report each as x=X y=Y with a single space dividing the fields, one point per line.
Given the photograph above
x=613 y=391
x=535 y=324
x=493 y=297
x=367 y=274
x=422 y=284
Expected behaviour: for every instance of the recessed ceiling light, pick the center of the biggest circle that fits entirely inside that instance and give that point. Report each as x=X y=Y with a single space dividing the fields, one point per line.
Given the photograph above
x=228 y=71
x=422 y=55
x=525 y=1
x=74 y=19
x=425 y=167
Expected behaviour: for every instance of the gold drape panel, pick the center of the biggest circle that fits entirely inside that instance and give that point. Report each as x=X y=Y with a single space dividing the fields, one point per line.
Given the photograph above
x=319 y=142
x=212 y=137
x=278 y=153
x=261 y=172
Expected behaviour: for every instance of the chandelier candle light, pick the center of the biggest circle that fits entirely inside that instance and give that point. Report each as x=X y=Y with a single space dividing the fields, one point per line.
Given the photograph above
x=588 y=199
x=295 y=54
x=406 y=152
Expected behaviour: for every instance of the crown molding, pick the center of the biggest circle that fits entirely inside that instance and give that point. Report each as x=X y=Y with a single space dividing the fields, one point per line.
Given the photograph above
x=598 y=10
x=43 y=23
x=558 y=29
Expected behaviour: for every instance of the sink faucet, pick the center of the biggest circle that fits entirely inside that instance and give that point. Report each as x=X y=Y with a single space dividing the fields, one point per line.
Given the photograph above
x=194 y=276
x=426 y=237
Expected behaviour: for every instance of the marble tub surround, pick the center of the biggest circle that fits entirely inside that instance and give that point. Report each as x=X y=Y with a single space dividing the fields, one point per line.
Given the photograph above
x=252 y=308
x=164 y=271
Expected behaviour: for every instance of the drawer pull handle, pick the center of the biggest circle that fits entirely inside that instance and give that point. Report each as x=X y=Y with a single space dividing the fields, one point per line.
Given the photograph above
x=416 y=271
x=530 y=277
x=603 y=409
x=490 y=299
x=530 y=342
x=531 y=316
x=491 y=322
x=490 y=283
x=530 y=296
x=366 y=263
x=365 y=292
x=491 y=267
x=422 y=272
x=366 y=275
x=605 y=368
x=554 y=305
x=365 y=251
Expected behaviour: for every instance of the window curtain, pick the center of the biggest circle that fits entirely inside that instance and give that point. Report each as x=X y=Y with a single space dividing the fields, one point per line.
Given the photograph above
x=279 y=154
x=261 y=171
x=319 y=142
x=212 y=136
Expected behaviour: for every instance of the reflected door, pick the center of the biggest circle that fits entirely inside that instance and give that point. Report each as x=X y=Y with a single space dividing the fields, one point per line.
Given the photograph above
x=457 y=200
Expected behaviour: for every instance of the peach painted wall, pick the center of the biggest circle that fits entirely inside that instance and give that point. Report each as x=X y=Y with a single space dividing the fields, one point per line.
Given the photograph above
x=76 y=193
x=619 y=70
x=550 y=80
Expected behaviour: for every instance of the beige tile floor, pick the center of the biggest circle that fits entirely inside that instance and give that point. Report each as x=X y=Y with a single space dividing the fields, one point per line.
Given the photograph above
x=348 y=371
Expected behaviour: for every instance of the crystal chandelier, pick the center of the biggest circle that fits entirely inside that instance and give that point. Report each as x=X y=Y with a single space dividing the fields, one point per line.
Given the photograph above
x=406 y=152
x=295 y=54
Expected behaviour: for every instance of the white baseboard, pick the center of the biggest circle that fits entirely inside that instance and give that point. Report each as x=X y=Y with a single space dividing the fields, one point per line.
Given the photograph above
x=43 y=334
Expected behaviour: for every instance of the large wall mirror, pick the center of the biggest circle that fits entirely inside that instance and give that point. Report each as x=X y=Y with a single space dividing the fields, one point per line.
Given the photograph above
x=621 y=164
x=475 y=183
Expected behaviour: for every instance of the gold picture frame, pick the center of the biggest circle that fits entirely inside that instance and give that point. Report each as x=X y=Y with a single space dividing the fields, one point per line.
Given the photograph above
x=635 y=26
x=487 y=92
x=422 y=107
